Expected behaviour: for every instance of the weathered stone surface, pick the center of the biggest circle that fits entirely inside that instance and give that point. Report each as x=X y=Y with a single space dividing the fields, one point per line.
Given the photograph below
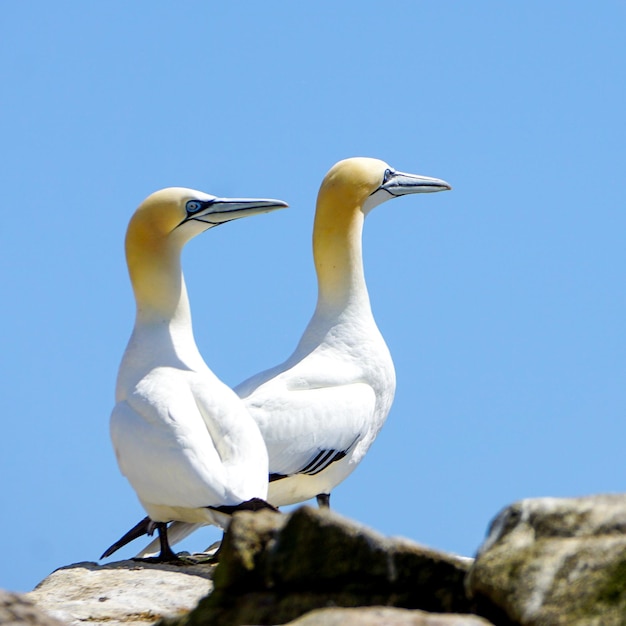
x=274 y=568
x=384 y=616
x=554 y=561
x=16 y=610
x=545 y=562
x=244 y=545
x=126 y=592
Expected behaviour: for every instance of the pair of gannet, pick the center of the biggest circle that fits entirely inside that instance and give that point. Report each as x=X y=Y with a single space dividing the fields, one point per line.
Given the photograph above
x=319 y=412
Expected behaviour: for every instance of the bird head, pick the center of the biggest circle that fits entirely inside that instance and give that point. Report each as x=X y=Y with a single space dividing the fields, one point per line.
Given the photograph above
x=164 y=222
x=181 y=214
x=366 y=183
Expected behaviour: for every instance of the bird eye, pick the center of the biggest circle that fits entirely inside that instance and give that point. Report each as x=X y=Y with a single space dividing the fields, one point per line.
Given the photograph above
x=193 y=206
x=388 y=175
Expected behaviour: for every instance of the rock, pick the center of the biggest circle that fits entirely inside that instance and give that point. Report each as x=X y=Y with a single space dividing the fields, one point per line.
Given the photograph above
x=126 y=592
x=545 y=562
x=274 y=568
x=554 y=561
x=16 y=610
x=384 y=616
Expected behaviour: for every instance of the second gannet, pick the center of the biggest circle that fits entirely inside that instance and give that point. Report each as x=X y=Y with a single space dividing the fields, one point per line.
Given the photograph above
x=320 y=410
x=182 y=438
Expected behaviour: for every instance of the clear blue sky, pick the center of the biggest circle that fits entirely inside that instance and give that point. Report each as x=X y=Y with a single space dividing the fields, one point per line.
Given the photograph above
x=502 y=301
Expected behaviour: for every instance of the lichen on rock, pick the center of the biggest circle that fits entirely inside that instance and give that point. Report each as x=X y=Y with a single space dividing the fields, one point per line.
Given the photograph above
x=551 y=561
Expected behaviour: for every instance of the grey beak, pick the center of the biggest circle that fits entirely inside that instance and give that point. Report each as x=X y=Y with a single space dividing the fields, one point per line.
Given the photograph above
x=221 y=210
x=400 y=184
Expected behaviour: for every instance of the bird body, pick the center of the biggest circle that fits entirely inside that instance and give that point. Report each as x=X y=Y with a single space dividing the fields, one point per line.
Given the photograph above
x=182 y=438
x=321 y=410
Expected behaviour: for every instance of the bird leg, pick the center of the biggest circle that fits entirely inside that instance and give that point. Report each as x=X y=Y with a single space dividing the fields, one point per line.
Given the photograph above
x=323 y=500
x=167 y=554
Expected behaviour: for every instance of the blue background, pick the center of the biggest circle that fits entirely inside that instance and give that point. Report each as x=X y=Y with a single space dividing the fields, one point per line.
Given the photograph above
x=502 y=301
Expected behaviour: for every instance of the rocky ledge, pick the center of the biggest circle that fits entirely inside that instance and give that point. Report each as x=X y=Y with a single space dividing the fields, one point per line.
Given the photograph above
x=545 y=561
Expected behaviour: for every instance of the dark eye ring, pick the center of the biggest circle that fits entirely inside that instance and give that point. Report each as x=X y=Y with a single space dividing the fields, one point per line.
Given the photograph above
x=193 y=206
x=388 y=174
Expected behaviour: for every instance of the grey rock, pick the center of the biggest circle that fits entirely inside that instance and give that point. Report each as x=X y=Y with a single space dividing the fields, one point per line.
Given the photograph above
x=384 y=616
x=16 y=610
x=554 y=561
x=126 y=592
x=274 y=568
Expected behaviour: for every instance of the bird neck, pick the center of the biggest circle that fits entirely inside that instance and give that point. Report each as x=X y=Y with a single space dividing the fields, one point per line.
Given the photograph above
x=157 y=279
x=337 y=252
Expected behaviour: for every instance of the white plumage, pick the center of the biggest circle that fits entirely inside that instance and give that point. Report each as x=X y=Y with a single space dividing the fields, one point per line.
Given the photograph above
x=182 y=438
x=320 y=411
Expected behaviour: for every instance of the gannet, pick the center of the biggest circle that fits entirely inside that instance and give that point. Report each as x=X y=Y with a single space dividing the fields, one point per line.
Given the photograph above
x=182 y=438
x=320 y=411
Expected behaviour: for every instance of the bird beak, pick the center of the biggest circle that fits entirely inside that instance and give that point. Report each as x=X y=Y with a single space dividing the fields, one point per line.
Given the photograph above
x=400 y=184
x=223 y=210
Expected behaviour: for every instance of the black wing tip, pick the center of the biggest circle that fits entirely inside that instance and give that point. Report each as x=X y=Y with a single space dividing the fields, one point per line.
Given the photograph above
x=110 y=550
x=323 y=459
x=144 y=527
x=317 y=464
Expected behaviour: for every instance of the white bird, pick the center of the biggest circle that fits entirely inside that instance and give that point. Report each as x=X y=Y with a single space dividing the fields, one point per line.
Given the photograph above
x=182 y=438
x=320 y=411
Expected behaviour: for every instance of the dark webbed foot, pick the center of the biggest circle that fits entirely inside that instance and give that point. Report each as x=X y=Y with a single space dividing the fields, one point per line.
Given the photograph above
x=201 y=558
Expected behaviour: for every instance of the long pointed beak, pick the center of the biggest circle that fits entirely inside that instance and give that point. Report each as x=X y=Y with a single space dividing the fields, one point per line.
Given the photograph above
x=400 y=184
x=223 y=210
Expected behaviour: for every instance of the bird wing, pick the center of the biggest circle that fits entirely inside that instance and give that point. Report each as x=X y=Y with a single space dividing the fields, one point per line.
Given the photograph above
x=237 y=440
x=163 y=445
x=306 y=428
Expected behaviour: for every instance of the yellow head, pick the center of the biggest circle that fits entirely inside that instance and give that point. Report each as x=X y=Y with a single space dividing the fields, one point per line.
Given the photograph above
x=350 y=190
x=365 y=183
x=179 y=214
x=164 y=222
